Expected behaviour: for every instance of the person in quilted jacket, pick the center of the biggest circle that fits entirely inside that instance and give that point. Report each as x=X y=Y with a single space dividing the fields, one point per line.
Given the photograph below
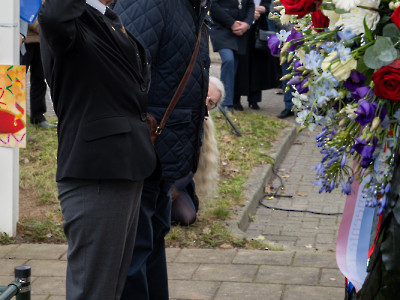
x=169 y=30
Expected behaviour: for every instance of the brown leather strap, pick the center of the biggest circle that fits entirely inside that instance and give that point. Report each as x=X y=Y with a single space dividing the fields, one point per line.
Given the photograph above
x=180 y=88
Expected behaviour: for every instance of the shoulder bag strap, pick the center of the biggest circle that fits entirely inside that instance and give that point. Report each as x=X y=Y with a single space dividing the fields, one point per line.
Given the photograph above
x=180 y=88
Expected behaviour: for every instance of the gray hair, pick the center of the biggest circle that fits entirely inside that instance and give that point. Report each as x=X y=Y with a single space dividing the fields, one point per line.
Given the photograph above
x=220 y=86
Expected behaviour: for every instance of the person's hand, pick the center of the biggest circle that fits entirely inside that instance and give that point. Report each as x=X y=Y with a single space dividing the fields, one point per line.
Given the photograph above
x=235 y=26
x=256 y=15
x=241 y=28
x=260 y=9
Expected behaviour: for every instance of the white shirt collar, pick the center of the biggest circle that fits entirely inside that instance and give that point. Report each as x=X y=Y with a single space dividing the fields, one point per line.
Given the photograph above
x=97 y=5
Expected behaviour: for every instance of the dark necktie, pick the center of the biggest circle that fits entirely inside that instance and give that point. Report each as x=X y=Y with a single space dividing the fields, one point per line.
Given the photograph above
x=113 y=17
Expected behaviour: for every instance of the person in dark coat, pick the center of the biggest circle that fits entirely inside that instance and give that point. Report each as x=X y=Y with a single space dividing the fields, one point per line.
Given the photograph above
x=169 y=30
x=99 y=90
x=231 y=20
x=257 y=70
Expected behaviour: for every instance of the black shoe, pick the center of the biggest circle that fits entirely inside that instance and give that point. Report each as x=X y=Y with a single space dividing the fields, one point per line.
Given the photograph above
x=254 y=105
x=238 y=106
x=285 y=113
x=45 y=124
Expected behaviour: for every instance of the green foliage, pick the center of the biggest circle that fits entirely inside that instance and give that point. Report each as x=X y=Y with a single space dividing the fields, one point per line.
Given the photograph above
x=380 y=54
x=5 y=239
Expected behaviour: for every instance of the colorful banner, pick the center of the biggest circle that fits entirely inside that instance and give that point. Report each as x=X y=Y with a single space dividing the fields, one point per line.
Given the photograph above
x=353 y=241
x=29 y=10
x=13 y=106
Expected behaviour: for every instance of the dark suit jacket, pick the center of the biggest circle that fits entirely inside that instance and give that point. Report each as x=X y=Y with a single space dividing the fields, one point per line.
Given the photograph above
x=99 y=91
x=224 y=13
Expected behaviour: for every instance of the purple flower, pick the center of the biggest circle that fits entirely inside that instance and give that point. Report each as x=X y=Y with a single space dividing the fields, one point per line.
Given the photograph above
x=294 y=35
x=273 y=44
x=361 y=92
x=356 y=80
x=299 y=87
x=295 y=80
x=365 y=112
x=366 y=150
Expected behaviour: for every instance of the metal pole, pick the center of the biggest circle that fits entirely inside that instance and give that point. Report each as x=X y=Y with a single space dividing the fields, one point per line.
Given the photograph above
x=23 y=276
x=222 y=110
x=20 y=287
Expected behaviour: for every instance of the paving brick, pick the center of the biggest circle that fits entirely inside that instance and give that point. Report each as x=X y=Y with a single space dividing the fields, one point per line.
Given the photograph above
x=288 y=275
x=39 y=251
x=332 y=277
x=226 y=272
x=315 y=259
x=294 y=292
x=258 y=257
x=181 y=270
x=194 y=290
x=7 y=265
x=48 y=268
x=205 y=256
x=251 y=291
x=5 y=280
x=172 y=253
x=48 y=286
x=7 y=250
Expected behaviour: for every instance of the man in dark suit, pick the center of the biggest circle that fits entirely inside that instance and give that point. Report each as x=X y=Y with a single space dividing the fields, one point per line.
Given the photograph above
x=99 y=91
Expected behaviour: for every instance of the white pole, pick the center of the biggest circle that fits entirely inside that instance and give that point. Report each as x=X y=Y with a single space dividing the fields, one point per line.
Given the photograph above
x=9 y=157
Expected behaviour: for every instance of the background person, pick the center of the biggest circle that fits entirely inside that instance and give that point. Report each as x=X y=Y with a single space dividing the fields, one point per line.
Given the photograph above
x=33 y=61
x=231 y=20
x=99 y=90
x=169 y=31
x=257 y=68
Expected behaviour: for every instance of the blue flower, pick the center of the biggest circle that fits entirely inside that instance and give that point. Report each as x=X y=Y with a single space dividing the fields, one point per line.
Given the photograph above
x=313 y=60
x=346 y=35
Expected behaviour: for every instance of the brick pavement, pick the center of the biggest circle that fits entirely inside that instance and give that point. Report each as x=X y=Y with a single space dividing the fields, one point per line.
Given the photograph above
x=305 y=269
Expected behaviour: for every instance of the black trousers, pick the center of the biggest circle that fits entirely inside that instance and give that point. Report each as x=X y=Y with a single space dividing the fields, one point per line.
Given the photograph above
x=33 y=60
x=100 y=225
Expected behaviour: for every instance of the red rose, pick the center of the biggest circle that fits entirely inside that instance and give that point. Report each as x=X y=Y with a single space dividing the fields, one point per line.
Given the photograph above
x=319 y=21
x=396 y=17
x=300 y=7
x=387 y=83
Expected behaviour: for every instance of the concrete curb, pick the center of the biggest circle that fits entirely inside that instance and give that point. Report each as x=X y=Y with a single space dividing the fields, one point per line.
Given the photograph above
x=254 y=188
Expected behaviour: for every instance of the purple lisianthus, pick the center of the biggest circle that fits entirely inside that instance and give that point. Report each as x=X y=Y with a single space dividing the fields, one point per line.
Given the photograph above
x=274 y=44
x=299 y=87
x=361 y=92
x=366 y=150
x=365 y=112
x=294 y=35
x=356 y=80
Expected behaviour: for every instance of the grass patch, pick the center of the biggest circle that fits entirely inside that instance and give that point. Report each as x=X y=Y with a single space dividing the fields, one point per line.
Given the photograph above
x=238 y=157
x=40 y=213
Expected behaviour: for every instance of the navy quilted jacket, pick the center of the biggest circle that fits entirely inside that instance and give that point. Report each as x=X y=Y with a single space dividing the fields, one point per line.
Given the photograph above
x=168 y=29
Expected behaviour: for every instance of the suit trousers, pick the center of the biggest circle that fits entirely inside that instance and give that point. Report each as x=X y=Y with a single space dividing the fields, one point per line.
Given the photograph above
x=147 y=276
x=100 y=224
x=33 y=60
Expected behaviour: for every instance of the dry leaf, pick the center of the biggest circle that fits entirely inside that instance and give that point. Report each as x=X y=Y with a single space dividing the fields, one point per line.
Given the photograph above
x=302 y=194
x=225 y=246
x=226 y=139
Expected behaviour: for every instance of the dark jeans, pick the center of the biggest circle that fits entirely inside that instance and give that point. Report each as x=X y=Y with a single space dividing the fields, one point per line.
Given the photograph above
x=147 y=276
x=33 y=60
x=100 y=225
